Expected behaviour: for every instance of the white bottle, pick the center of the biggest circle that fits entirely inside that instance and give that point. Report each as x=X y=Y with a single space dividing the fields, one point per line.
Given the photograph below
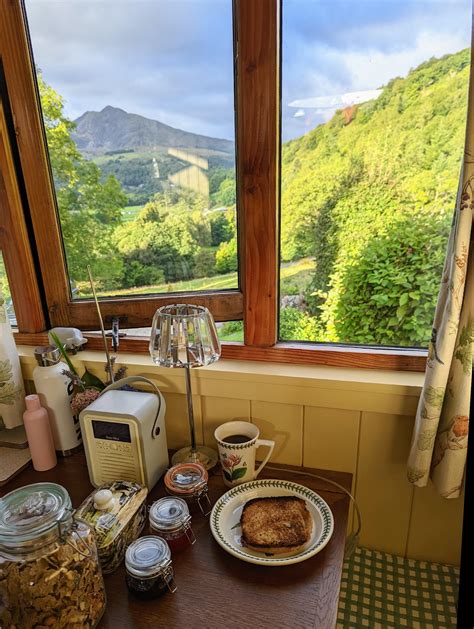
x=12 y=393
x=55 y=390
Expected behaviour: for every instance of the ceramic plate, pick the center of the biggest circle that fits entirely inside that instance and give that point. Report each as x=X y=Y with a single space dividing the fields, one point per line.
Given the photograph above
x=225 y=520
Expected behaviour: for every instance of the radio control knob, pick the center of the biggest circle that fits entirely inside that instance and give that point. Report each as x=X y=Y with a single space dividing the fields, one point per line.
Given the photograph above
x=103 y=499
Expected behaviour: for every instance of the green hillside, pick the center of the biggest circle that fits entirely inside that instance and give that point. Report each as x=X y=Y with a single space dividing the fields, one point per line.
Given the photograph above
x=370 y=196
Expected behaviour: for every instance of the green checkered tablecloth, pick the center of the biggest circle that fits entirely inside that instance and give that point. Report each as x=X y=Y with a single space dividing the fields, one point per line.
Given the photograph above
x=384 y=591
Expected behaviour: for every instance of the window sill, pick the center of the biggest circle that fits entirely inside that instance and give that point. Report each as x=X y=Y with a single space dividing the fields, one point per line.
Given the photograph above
x=411 y=360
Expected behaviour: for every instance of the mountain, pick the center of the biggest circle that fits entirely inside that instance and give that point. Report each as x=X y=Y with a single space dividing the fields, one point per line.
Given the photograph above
x=113 y=129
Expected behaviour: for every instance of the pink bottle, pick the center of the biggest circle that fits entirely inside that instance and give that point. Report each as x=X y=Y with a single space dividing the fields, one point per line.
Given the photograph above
x=38 y=432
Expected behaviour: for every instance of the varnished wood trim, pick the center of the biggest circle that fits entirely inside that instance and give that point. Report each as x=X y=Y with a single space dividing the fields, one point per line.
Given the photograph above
x=31 y=144
x=138 y=312
x=14 y=242
x=360 y=357
x=257 y=103
x=313 y=354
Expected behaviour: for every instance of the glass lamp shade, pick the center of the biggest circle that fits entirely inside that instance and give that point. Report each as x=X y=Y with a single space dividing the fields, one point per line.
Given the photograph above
x=184 y=336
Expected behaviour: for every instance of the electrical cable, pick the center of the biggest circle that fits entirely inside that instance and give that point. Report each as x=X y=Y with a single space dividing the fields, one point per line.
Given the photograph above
x=353 y=539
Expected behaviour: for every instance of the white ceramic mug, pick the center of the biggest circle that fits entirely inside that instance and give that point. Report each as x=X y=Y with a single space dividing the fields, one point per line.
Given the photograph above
x=238 y=459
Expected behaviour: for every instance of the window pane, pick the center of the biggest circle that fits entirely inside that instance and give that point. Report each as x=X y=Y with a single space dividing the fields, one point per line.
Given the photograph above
x=5 y=293
x=138 y=106
x=374 y=98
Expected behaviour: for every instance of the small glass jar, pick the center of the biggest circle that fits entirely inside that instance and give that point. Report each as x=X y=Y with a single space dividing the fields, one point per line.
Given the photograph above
x=49 y=570
x=189 y=481
x=149 y=570
x=170 y=519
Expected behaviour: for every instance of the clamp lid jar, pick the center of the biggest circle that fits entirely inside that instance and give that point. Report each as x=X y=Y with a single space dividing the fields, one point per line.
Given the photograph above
x=149 y=570
x=170 y=519
x=189 y=481
x=43 y=548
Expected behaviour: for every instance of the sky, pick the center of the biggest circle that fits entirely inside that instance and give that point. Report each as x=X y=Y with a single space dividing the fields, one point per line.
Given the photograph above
x=172 y=60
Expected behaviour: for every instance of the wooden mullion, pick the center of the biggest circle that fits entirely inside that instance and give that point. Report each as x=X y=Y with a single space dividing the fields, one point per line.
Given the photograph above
x=257 y=104
x=31 y=144
x=14 y=243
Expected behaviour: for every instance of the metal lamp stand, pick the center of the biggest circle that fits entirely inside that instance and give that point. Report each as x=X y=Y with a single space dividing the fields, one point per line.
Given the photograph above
x=207 y=457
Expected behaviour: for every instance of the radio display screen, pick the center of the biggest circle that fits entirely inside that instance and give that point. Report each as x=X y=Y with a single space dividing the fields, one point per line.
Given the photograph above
x=111 y=430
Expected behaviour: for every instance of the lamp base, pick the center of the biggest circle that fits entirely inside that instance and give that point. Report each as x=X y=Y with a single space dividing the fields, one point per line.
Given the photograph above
x=207 y=457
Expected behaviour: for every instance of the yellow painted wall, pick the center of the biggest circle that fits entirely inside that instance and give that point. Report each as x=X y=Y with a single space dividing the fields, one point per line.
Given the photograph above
x=358 y=421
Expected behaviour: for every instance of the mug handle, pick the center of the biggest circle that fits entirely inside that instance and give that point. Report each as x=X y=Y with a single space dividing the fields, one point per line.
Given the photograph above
x=270 y=444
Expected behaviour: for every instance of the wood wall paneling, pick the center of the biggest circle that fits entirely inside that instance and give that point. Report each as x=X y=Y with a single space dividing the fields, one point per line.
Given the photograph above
x=283 y=423
x=435 y=526
x=177 y=425
x=331 y=440
x=218 y=410
x=331 y=437
x=383 y=492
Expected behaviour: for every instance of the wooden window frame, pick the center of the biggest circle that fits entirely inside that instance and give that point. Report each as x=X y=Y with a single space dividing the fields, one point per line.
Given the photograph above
x=257 y=79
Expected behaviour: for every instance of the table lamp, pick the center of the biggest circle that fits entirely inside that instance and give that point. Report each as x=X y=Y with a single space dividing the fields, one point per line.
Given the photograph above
x=185 y=336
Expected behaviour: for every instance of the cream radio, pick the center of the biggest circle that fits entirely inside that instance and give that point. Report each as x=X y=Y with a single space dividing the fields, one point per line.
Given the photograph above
x=124 y=435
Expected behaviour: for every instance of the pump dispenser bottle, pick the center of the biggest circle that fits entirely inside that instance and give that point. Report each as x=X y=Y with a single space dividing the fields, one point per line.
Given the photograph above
x=55 y=391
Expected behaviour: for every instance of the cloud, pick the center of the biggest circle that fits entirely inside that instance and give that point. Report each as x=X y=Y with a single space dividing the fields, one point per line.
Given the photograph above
x=329 y=49
x=170 y=60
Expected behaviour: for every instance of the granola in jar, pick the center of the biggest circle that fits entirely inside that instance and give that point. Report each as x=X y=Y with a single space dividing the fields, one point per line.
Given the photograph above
x=49 y=571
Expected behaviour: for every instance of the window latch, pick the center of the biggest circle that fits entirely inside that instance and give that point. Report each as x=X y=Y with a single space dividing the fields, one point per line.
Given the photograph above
x=115 y=333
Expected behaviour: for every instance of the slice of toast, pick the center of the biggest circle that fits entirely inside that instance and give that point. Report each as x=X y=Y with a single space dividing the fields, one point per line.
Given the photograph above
x=276 y=525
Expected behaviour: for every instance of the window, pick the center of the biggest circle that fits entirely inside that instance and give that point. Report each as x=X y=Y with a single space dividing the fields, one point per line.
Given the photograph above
x=373 y=123
x=5 y=293
x=138 y=109
x=311 y=170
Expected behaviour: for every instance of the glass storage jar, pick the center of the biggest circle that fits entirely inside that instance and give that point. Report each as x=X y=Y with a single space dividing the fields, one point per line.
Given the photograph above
x=49 y=570
x=189 y=481
x=149 y=571
x=170 y=519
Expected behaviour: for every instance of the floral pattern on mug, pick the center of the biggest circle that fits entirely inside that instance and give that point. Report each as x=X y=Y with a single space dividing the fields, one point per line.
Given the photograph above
x=230 y=469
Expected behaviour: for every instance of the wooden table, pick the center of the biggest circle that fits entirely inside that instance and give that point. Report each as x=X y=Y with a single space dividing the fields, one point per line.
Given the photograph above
x=215 y=589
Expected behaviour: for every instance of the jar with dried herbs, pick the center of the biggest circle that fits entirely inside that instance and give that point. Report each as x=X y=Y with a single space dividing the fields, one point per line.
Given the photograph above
x=49 y=571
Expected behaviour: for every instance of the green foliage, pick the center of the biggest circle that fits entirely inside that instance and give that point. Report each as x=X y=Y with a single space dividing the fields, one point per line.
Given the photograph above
x=356 y=195
x=222 y=187
x=295 y=324
x=387 y=291
x=89 y=207
x=222 y=228
x=205 y=263
x=226 y=256
x=164 y=239
x=226 y=194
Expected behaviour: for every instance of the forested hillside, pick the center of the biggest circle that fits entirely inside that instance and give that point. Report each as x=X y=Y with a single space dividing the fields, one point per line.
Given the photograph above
x=367 y=202
x=370 y=196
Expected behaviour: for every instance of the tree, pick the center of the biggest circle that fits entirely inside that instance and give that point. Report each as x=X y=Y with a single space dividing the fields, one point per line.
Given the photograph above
x=226 y=256
x=167 y=234
x=89 y=208
x=387 y=294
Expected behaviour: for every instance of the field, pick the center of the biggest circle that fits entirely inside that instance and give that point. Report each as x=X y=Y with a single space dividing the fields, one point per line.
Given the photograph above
x=293 y=275
x=130 y=212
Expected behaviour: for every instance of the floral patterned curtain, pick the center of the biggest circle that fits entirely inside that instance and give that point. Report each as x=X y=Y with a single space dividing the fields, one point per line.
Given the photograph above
x=439 y=444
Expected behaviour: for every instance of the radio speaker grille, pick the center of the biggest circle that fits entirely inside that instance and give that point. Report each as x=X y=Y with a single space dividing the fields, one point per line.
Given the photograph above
x=118 y=467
